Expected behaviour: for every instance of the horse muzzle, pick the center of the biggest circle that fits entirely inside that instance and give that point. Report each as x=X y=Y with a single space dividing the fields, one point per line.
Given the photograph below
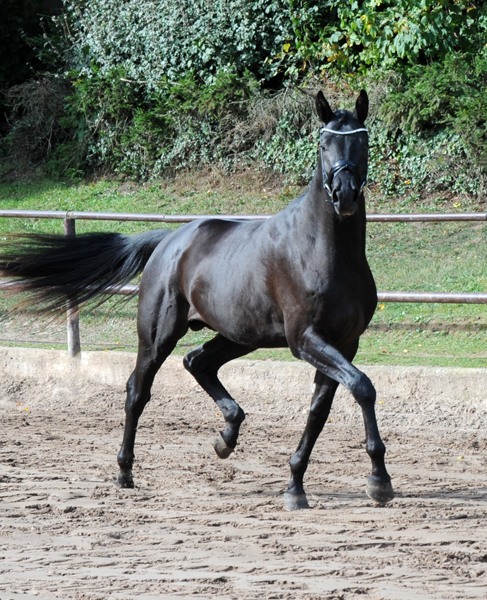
x=344 y=184
x=345 y=193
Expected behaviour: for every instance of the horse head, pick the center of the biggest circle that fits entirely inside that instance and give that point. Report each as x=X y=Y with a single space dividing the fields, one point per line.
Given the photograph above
x=344 y=152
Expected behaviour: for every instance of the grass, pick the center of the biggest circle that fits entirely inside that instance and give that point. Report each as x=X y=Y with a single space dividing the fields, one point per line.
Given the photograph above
x=210 y=194
x=403 y=256
x=435 y=257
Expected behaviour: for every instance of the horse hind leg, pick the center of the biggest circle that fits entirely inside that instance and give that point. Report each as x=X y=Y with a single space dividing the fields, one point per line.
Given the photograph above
x=150 y=357
x=203 y=363
x=138 y=395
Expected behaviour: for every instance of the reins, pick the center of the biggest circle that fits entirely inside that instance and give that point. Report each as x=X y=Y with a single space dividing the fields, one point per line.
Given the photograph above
x=340 y=165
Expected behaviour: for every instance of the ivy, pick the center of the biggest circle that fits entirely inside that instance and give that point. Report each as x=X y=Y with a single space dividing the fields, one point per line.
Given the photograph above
x=156 y=40
x=147 y=87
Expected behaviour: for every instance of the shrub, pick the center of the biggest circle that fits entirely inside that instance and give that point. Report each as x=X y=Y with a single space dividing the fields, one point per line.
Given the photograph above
x=142 y=132
x=156 y=85
x=447 y=95
x=156 y=40
x=351 y=35
x=37 y=108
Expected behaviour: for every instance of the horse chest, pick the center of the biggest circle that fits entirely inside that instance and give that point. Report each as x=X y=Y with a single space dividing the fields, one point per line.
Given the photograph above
x=340 y=304
x=336 y=282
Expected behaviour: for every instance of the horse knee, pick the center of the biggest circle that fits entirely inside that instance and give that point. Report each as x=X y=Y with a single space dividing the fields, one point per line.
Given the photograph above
x=188 y=362
x=363 y=391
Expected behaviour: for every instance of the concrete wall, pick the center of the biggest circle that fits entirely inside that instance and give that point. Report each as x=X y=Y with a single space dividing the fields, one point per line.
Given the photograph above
x=265 y=379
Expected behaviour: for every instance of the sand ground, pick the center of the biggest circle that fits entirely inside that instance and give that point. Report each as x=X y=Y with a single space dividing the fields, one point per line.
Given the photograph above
x=197 y=526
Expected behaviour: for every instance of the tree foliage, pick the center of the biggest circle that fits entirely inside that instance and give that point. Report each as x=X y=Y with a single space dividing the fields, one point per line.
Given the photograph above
x=157 y=85
x=22 y=26
x=155 y=40
x=353 y=35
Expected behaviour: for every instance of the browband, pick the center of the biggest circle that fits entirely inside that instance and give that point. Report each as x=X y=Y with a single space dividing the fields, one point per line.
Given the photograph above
x=341 y=165
x=343 y=132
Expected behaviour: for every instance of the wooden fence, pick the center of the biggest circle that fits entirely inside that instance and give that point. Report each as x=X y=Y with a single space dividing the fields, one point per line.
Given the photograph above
x=69 y=219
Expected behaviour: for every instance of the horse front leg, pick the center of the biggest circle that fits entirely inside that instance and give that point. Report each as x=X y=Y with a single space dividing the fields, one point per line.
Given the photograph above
x=328 y=360
x=325 y=388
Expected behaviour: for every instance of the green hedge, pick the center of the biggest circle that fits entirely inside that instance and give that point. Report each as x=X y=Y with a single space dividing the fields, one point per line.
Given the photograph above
x=354 y=35
x=153 y=41
x=160 y=85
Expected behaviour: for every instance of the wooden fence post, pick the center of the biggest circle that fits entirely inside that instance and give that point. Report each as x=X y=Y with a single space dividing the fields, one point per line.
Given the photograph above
x=74 y=342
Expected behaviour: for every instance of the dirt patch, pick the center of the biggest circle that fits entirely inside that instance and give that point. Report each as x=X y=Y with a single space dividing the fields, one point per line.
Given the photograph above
x=199 y=526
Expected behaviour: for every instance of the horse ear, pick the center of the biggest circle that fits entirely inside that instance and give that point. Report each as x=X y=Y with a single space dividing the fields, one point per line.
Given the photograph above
x=323 y=108
x=361 y=106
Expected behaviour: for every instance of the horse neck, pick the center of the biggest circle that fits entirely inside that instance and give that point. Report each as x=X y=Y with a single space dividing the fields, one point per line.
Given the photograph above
x=348 y=234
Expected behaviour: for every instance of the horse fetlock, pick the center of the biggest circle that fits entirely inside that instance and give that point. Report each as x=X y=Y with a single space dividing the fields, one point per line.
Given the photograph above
x=295 y=484
x=125 y=460
x=240 y=416
x=232 y=412
x=376 y=450
x=298 y=465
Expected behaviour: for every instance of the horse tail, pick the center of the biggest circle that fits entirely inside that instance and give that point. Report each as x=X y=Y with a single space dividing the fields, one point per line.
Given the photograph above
x=57 y=268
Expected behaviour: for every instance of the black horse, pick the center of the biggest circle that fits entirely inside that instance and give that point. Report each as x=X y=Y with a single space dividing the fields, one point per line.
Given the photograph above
x=299 y=279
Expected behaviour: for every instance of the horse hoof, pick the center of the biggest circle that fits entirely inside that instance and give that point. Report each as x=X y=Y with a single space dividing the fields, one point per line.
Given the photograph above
x=125 y=480
x=295 y=501
x=221 y=447
x=379 y=491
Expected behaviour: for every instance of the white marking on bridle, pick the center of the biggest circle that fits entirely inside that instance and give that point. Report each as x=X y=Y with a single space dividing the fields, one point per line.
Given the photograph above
x=343 y=132
x=337 y=167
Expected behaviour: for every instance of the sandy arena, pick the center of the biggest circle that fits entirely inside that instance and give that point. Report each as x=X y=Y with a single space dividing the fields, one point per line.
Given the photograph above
x=197 y=526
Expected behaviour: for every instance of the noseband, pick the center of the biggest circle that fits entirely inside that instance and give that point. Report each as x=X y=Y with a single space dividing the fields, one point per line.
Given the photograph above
x=341 y=165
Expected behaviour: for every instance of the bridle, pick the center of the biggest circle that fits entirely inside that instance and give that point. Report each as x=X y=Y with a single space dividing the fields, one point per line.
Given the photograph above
x=340 y=165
